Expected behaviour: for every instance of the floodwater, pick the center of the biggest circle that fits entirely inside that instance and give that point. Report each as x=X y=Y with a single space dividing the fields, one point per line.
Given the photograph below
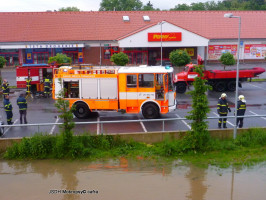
x=128 y=179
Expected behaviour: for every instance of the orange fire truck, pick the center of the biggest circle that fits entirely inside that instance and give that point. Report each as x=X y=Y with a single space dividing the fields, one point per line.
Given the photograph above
x=146 y=89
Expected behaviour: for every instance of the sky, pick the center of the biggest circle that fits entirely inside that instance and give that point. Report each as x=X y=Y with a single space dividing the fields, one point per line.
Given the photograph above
x=83 y=5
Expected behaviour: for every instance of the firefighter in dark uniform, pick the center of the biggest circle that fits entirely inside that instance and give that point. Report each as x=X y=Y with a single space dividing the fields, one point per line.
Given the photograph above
x=222 y=109
x=5 y=87
x=241 y=109
x=22 y=104
x=28 y=84
x=47 y=85
x=8 y=109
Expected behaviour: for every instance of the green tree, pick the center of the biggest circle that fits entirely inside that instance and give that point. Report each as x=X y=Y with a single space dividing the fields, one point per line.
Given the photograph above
x=181 y=7
x=60 y=59
x=199 y=136
x=211 y=5
x=179 y=58
x=120 y=5
x=149 y=7
x=198 y=6
x=227 y=59
x=67 y=9
x=120 y=59
x=66 y=114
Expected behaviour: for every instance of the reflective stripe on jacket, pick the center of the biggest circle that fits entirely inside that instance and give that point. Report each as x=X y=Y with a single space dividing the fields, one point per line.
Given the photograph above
x=5 y=88
x=222 y=106
x=241 y=108
x=7 y=105
x=47 y=83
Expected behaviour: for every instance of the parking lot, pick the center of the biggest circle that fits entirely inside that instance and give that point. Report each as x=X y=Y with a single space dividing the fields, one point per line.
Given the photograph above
x=42 y=110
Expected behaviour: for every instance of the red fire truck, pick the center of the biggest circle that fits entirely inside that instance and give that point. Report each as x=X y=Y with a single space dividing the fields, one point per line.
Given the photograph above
x=220 y=80
x=37 y=73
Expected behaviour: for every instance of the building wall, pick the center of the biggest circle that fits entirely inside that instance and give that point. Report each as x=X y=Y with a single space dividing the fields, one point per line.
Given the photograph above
x=140 y=39
x=92 y=56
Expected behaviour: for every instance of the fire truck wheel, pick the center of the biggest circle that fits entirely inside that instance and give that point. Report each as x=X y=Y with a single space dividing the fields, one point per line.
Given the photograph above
x=231 y=86
x=150 y=111
x=220 y=86
x=81 y=111
x=181 y=87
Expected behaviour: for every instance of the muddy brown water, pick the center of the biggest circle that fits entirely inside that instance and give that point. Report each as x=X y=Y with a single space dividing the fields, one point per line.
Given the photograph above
x=128 y=179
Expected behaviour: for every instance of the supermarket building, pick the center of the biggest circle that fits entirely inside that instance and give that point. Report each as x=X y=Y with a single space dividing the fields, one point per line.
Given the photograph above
x=93 y=37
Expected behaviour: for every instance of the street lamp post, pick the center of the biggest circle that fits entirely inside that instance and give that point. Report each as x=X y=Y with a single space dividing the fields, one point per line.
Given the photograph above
x=161 y=23
x=230 y=15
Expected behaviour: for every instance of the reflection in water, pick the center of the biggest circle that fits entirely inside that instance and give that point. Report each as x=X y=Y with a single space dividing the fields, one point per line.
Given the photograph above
x=127 y=179
x=196 y=177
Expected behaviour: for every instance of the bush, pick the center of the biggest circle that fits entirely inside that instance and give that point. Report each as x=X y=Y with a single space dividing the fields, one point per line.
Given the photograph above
x=2 y=61
x=179 y=58
x=120 y=59
x=227 y=59
x=60 y=59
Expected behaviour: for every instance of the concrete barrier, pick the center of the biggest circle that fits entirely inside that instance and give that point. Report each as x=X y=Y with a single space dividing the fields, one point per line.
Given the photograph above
x=149 y=138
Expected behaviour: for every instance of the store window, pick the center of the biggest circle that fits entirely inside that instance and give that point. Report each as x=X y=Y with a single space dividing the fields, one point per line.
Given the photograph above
x=137 y=57
x=40 y=57
x=11 y=56
x=74 y=54
x=109 y=51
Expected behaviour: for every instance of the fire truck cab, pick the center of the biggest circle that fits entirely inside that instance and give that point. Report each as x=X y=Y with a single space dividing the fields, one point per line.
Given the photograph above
x=146 y=89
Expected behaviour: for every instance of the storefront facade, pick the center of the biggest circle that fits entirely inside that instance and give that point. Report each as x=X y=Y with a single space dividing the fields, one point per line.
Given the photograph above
x=37 y=53
x=147 y=37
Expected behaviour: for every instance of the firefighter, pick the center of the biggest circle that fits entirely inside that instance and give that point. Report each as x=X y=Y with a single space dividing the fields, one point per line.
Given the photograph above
x=241 y=109
x=8 y=109
x=5 y=87
x=222 y=109
x=47 y=85
x=28 y=84
x=22 y=104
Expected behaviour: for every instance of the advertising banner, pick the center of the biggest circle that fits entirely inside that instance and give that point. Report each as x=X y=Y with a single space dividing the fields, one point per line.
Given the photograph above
x=255 y=51
x=215 y=51
x=166 y=37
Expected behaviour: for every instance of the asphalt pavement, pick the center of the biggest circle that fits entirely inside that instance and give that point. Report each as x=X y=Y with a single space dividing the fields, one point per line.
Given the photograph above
x=43 y=111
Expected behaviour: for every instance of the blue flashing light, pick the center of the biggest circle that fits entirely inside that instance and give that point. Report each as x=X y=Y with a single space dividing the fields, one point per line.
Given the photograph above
x=167 y=67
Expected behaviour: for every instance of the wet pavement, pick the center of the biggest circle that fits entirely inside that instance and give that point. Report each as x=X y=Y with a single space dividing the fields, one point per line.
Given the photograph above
x=128 y=179
x=42 y=110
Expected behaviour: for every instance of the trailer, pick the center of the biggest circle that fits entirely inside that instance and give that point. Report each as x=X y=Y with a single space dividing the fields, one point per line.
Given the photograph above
x=220 y=80
x=145 y=89
x=36 y=72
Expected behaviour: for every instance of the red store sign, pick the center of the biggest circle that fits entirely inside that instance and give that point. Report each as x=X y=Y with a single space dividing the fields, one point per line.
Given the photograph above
x=166 y=37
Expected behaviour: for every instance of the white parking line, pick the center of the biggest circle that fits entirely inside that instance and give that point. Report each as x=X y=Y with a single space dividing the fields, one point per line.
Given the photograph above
x=257 y=114
x=184 y=122
x=226 y=120
x=52 y=130
x=257 y=86
x=143 y=127
x=9 y=128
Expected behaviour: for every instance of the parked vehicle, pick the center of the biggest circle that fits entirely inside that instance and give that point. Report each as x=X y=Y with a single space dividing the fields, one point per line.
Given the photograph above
x=37 y=73
x=220 y=80
x=145 y=89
